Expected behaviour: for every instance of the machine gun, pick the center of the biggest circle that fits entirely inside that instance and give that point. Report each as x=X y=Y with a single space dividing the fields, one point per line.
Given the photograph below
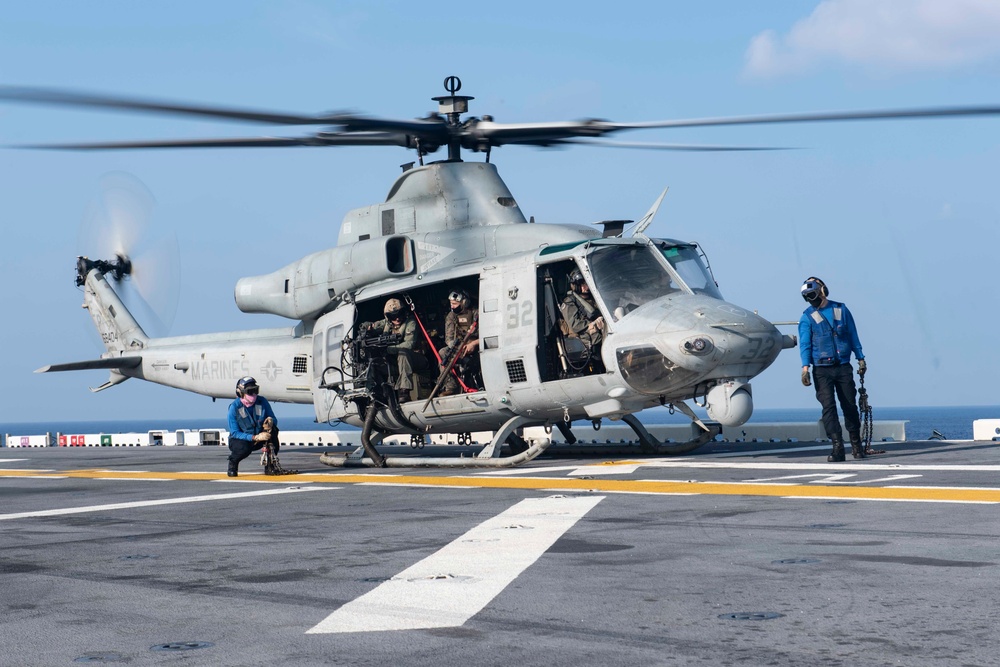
x=381 y=341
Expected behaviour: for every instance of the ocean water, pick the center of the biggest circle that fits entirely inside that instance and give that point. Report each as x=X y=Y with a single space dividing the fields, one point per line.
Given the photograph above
x=955 y=423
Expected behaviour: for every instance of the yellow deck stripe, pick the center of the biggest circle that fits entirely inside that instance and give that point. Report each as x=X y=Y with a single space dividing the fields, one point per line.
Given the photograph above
x=944 y=494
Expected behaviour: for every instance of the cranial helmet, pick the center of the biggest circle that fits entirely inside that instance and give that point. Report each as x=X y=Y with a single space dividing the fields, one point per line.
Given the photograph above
x=393 y=307
x=461 y=297
x=814 y=290
x=576 y=277
x=246 y=385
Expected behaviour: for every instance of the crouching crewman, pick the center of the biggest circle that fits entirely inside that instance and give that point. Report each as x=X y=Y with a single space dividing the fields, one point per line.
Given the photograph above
x=252 y=424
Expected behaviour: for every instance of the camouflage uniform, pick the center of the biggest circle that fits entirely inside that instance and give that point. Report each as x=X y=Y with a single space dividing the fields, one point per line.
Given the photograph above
x=578 y=311
x=409 y=352
x=456 y=326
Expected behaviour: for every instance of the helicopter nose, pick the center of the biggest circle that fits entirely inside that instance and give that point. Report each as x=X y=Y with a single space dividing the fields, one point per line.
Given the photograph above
x=680 y=341
x=722 y=340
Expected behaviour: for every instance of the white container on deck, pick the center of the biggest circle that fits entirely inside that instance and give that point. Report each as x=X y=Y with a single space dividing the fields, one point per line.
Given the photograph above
x=986 y=429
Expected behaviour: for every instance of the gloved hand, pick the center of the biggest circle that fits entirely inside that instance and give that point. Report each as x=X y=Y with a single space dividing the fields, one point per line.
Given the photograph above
x=805 y=377
x=862 y=367
x=263 y=436
x=268 y=424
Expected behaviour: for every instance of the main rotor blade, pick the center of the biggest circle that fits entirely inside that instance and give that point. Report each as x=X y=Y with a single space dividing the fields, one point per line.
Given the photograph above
x=672 y=147
x=57 y=97
x=537 y=134
x=322 y=139
x=417 y=126
x=823 y=116
x=554 y=133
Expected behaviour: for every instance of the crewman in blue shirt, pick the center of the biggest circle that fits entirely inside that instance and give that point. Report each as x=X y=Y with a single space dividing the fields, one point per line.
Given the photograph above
x=827 y=338
x=247 y=429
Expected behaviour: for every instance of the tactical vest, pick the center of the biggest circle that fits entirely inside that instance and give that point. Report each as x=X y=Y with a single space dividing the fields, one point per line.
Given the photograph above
x=464 y=321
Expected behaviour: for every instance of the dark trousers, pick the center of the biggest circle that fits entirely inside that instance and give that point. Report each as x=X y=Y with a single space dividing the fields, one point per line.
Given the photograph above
x=839 y=380
x=241 y=449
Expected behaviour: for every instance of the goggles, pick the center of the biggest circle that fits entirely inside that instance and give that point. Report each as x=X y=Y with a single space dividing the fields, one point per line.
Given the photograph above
x=394 y=314
x=251 y=391
x=812 y=291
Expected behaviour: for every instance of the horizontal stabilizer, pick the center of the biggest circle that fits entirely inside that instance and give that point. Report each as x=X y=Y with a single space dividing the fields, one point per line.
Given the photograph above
x=94 y=364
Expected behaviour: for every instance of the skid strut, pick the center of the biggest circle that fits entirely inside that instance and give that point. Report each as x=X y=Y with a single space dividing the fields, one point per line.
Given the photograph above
x=488 y=457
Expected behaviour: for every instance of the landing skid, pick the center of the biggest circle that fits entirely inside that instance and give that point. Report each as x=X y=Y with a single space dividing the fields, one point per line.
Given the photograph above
x=648 y=444
x=522 y=452
x=488 y=457
x=651 y=445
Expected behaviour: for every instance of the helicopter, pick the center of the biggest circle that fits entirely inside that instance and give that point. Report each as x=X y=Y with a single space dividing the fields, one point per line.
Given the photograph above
x=446 y=227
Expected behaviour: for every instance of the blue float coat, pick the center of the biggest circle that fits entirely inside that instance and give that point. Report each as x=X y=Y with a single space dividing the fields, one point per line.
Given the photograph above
x=830 y=341
x=245 y=423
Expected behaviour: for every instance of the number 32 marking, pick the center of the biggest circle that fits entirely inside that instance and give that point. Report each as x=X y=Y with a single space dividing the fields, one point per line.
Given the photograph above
x=519 y=315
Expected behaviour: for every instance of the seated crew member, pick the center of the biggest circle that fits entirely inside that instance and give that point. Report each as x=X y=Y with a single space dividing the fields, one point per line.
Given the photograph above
x=248 y=427
x=580 y=316
x=457 y=323
x=408 y=353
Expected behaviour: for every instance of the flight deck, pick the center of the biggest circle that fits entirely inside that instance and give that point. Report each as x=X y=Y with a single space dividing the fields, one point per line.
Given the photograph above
x=761 y=553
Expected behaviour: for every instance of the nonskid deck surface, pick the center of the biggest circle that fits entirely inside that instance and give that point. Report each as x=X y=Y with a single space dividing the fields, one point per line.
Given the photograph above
x=761 y=552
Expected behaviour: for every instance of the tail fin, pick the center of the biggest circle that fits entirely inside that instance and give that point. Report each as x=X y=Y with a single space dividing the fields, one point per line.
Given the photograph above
x=123 y=338
x=119 y=331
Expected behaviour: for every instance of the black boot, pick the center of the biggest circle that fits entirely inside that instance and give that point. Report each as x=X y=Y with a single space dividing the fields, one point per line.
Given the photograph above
x=233 y=472
x=857 y=447
x=837 y=453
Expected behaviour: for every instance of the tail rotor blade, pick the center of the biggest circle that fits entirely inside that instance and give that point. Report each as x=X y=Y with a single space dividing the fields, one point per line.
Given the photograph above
x=118 y=224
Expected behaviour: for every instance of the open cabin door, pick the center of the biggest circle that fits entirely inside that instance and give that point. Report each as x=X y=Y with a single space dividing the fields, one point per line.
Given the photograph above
x=329 y=358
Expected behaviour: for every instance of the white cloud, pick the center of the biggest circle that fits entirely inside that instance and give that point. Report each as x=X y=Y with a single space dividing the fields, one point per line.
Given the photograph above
x=883 y=35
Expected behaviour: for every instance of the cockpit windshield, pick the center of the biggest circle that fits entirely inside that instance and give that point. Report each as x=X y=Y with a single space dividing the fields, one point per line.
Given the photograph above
x=627 y=277
x=687 y=262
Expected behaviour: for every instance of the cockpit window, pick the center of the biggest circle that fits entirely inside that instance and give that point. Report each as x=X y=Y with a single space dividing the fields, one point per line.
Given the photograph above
x=691 y=269
x=627 y=277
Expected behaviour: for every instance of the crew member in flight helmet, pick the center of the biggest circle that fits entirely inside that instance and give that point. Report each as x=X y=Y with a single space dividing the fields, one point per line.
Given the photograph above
x=457 y=323
x=249 y=428
x=408 y=353
x=827 y=338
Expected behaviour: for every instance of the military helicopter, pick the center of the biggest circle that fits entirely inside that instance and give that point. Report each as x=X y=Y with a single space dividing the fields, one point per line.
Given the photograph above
x=452 y=226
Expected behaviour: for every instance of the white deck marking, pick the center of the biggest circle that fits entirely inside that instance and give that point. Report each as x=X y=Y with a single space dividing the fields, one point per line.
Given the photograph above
x=153 y=503
x=631 y=466
x=453 y=584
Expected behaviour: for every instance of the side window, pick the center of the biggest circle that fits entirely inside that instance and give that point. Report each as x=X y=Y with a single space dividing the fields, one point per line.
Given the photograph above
x=333 y=337
x=319 y=361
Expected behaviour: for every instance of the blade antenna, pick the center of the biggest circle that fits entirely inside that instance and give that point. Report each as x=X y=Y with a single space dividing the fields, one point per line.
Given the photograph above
x=647 y=219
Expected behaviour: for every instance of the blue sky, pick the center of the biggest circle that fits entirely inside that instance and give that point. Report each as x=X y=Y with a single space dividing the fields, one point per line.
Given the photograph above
x=900 y=218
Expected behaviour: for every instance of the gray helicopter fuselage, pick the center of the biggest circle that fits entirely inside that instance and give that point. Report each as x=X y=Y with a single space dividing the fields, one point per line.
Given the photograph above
x=668 y=335
x=669 y=345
